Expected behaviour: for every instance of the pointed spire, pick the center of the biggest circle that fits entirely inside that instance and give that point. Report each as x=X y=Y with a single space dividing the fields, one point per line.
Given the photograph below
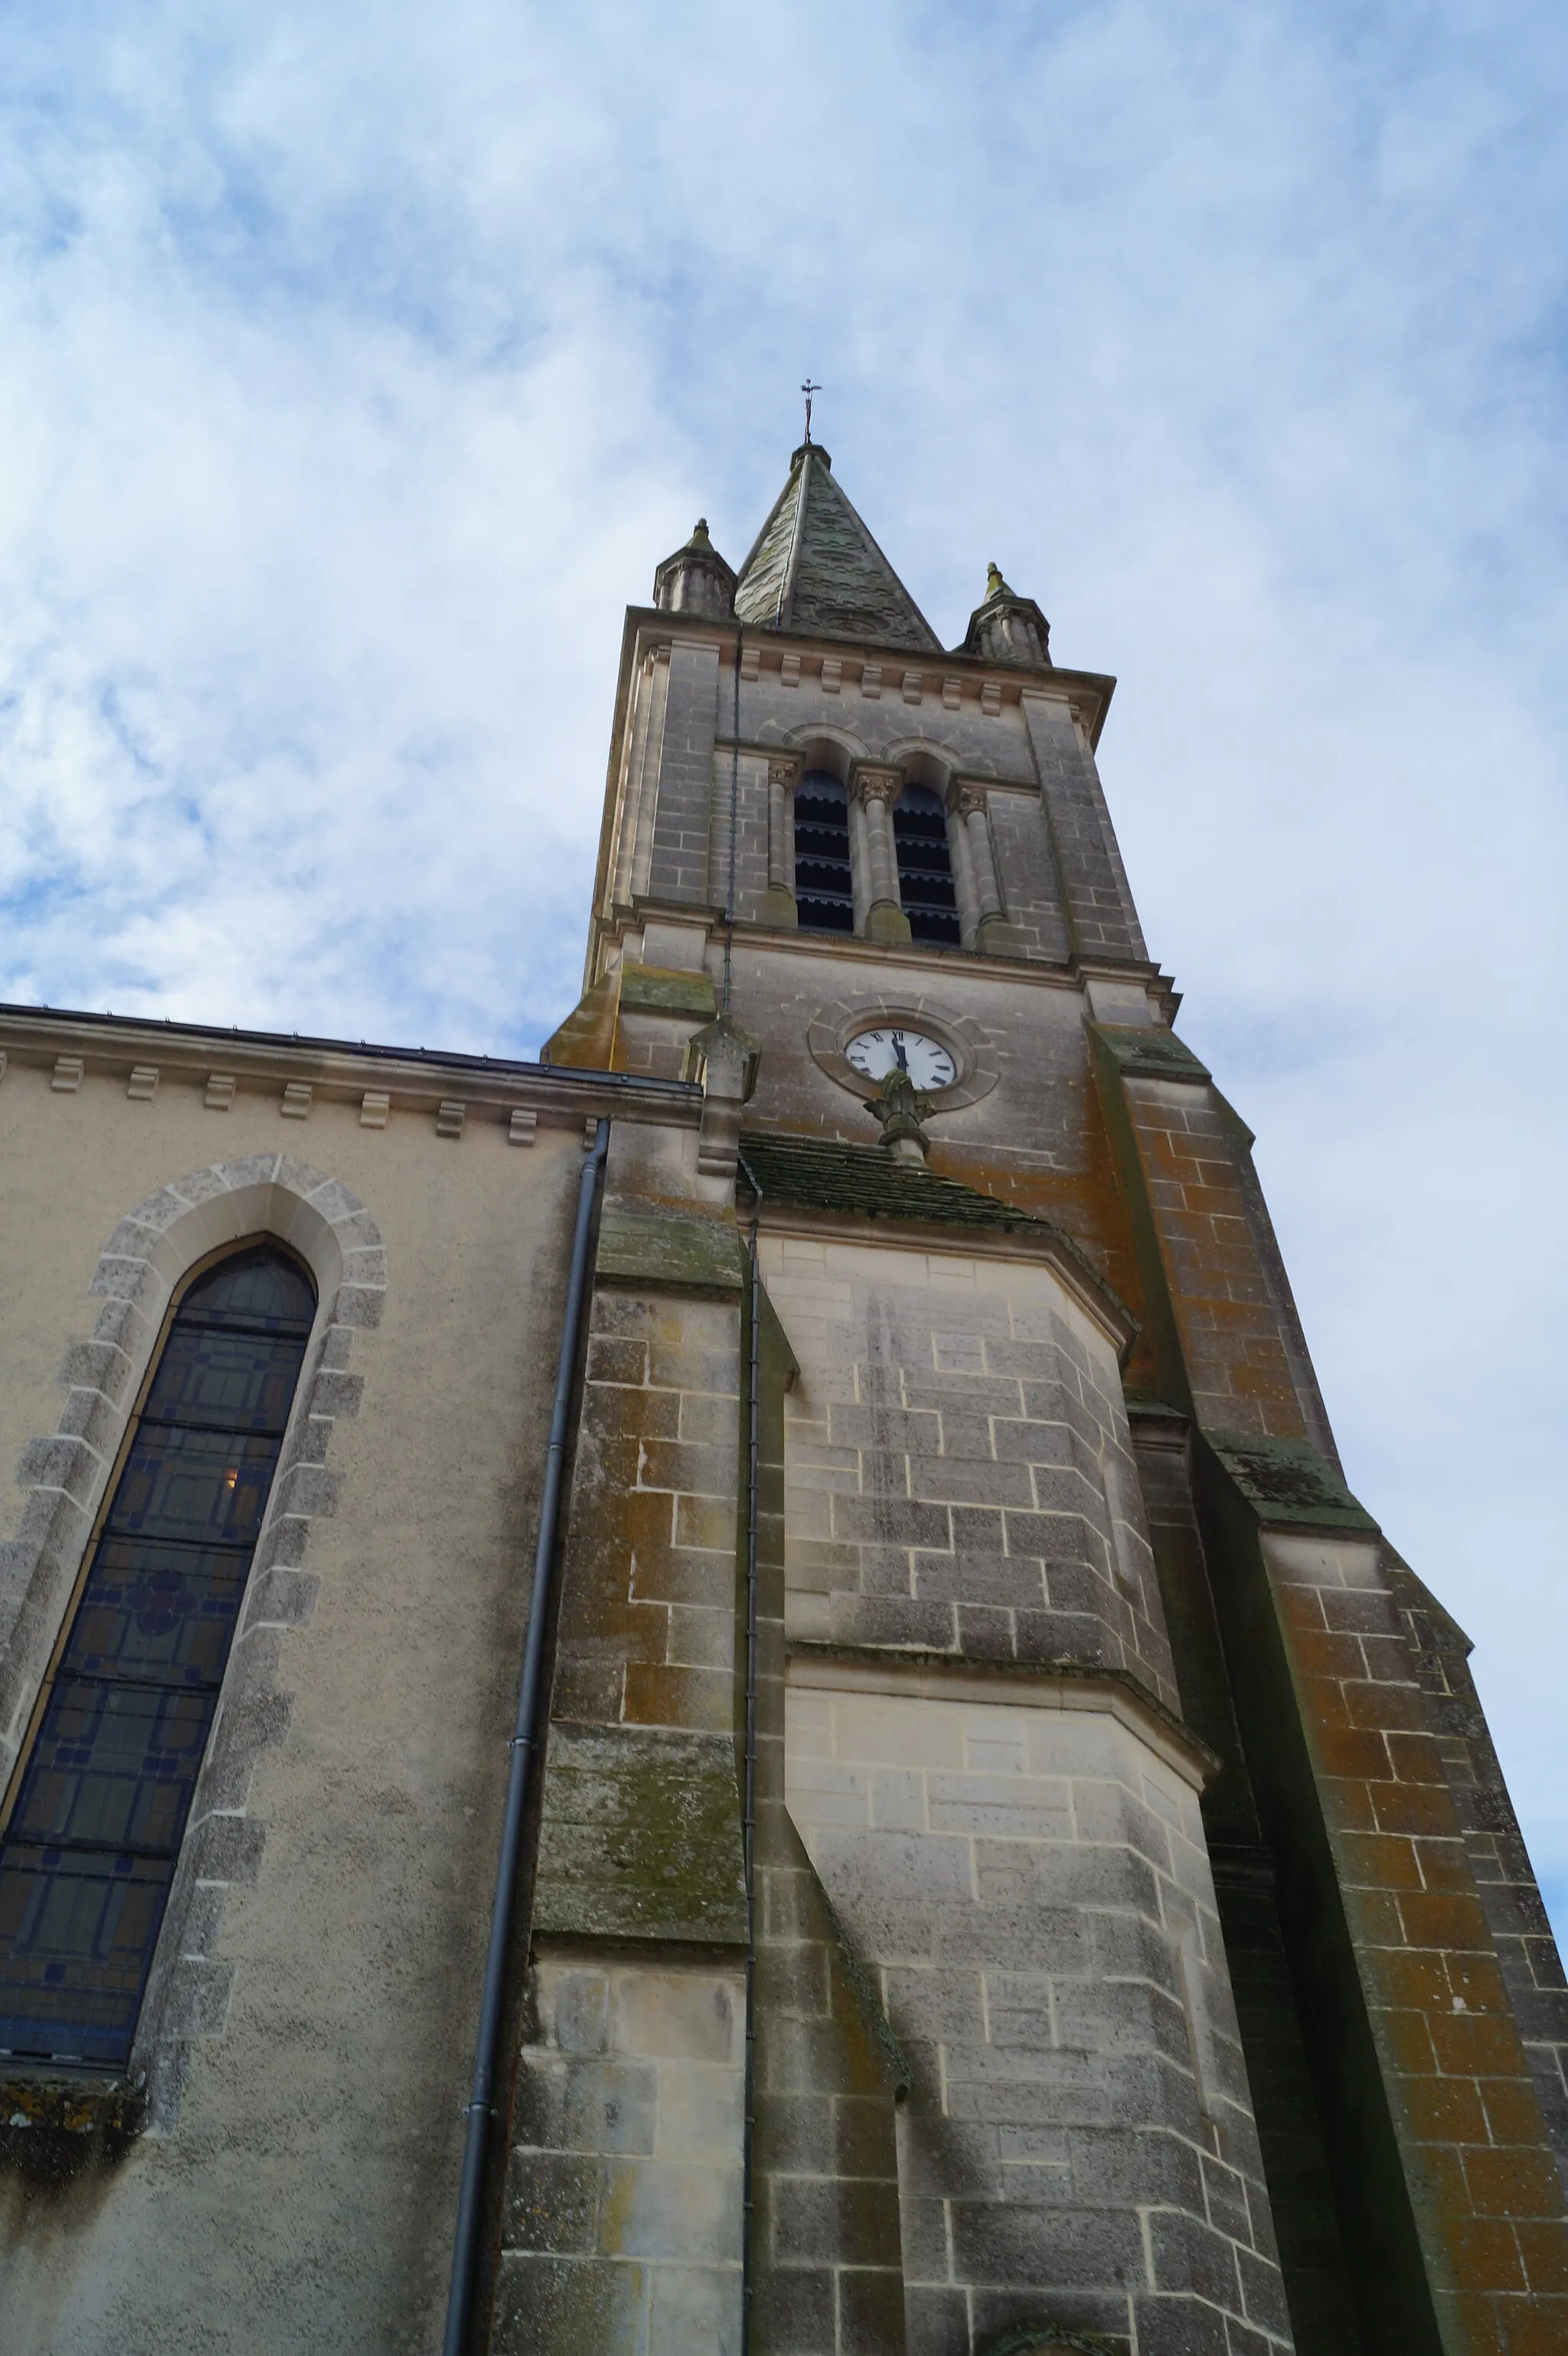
x=695 y=578
x=814 y=567
x=1007 y=628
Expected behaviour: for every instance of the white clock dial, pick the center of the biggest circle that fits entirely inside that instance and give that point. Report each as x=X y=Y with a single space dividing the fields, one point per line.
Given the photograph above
x=892 y=1047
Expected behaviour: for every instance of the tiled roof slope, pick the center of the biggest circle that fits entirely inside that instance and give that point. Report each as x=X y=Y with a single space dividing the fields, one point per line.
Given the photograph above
x=818 y=1173
x=816 y=567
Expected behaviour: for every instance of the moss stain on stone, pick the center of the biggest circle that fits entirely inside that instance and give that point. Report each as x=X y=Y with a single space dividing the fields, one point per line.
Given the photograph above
x=641 y=1837
x=679 y=1248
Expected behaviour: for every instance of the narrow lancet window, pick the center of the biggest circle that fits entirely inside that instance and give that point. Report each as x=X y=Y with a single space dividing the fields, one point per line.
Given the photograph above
x=101 y=1796
x=925 y=868
x=822 y=891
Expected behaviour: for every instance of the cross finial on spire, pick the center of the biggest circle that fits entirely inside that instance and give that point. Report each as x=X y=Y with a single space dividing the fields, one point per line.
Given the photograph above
x=808 y=389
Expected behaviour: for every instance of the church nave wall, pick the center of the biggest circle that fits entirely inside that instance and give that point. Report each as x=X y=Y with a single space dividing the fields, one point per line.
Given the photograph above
x=308 y=2035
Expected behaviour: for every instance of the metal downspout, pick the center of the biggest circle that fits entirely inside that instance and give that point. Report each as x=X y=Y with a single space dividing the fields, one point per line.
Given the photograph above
x=734 y=812
x=480 y=2109
x=749 y=1820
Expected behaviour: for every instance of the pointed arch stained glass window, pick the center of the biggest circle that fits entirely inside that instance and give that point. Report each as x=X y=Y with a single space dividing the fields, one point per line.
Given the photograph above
x=101 y=1798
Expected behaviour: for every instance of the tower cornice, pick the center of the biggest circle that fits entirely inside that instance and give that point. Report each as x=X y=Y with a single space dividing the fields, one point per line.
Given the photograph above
x=647 y=625
x=1070 y=974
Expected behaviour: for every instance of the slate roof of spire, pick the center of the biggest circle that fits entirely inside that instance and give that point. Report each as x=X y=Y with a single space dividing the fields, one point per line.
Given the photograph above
x=814 y=567
x=822 y=1173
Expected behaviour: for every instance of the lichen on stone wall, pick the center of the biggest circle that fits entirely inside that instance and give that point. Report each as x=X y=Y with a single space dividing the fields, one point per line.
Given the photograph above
x=640 y=1836
x=1288 y=1481
x=684 y=1249
x=56 y=2130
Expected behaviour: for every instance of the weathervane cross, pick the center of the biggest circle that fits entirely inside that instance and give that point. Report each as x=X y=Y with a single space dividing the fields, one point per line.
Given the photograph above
x=808 y=389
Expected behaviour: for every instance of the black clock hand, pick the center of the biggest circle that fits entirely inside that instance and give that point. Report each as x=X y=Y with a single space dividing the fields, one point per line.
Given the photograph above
x=899 y=1051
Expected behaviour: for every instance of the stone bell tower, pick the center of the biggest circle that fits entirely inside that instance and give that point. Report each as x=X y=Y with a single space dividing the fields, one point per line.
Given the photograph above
x=1021 y=1864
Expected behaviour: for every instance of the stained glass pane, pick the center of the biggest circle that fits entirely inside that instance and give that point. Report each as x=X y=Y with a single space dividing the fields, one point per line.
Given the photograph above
x=254 y=1288
x=113 y=1766
x=206 y=1485
x=75 y=1934
x=160 y=1611
x=242 y=1382
x=102 y=1802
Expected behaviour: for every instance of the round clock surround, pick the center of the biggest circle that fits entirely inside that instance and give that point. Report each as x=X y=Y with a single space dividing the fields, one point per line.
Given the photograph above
x=835 y=1028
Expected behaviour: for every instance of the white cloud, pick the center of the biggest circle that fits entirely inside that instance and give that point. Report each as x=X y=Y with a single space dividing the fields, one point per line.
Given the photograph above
x=357 y=367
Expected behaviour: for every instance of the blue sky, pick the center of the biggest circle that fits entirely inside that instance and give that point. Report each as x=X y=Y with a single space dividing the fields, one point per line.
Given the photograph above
x=357 y=366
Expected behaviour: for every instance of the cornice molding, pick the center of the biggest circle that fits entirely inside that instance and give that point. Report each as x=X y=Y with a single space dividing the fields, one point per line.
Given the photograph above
x=1037 y=1242
x=1067 y=1685
x=927 y=958
x=647 y=625
x=414 y=1079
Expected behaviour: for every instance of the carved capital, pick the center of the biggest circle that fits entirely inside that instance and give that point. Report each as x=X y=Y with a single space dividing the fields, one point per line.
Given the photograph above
x=901 y=1111
x=969 y=801
x=784 y=770
x=877 y=785
x=724 y=1058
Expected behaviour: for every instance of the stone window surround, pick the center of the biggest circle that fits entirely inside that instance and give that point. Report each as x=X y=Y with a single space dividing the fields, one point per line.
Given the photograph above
x=865 y=776
x=141 y=1267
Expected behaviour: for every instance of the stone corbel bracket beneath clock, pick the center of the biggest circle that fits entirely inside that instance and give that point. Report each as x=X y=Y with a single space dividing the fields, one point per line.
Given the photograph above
x=832 y=1027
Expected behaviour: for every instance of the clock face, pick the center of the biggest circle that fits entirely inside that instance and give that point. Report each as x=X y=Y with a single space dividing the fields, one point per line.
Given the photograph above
x=875 y=1054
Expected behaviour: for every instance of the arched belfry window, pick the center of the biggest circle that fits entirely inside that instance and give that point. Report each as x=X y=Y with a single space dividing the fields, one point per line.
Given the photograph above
x=925 y=867
x=822 y=891
x=104 y=1787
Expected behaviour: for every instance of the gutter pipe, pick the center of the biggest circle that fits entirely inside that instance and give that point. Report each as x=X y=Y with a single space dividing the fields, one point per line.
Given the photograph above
x=734 y=811
x=749 y=1815
x=480 y=2109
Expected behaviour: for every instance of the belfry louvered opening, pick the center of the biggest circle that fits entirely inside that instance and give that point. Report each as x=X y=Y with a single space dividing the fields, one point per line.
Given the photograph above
x=104 y=1788
x=925 y=867
x=823 y=889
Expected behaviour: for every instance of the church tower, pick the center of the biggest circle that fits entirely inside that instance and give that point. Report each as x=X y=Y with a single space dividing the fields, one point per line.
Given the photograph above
x=822 y=1477
x=1066 y=1892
